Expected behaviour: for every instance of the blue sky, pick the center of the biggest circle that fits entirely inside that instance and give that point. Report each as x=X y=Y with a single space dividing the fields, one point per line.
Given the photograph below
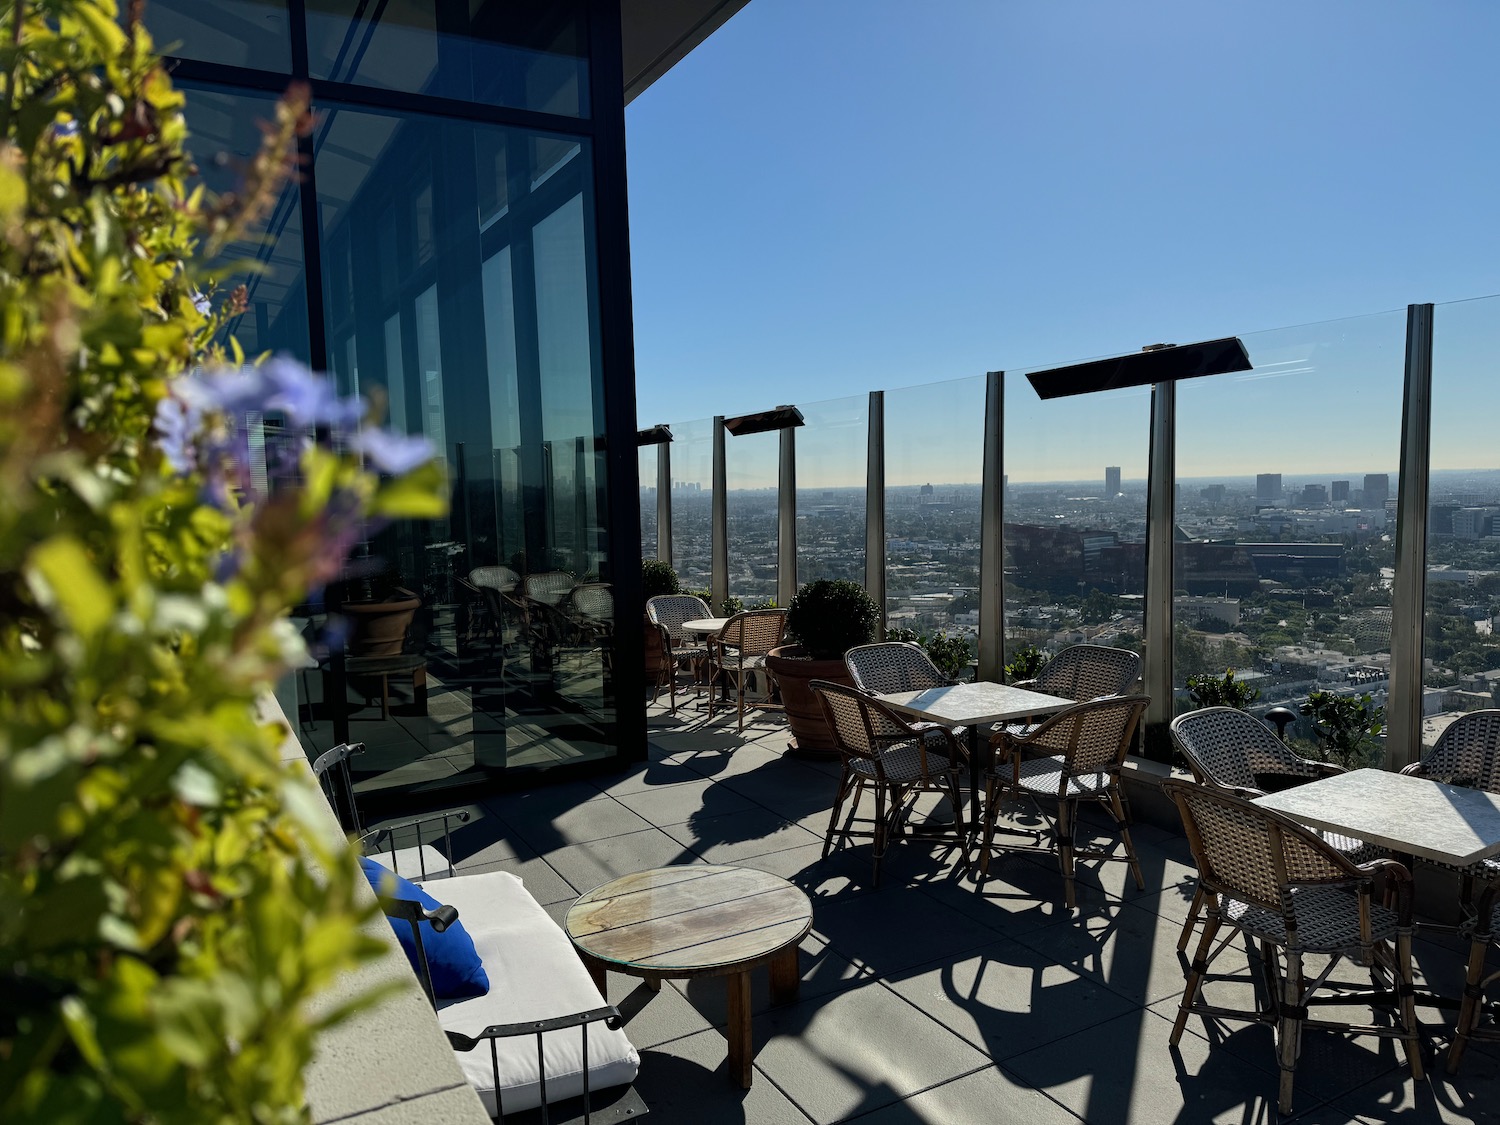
x=830 y=196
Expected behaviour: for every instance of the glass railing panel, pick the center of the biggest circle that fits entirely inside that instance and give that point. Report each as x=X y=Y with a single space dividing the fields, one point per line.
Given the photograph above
x=750 y=463
x=648 y=462
x=831 y=466
x=1075 y=518
x=692 y=503
x=1285 y=514
x=1460 y=648
x=934 y=461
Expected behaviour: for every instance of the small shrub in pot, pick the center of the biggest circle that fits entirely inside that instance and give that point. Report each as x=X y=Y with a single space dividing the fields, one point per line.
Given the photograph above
x=830 y=616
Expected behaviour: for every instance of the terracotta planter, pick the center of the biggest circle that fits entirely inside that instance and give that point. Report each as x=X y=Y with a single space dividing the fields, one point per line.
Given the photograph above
x=804 y=714
x=379 y=628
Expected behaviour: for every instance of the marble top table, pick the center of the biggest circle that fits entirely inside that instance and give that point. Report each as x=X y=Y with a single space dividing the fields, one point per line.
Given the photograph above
x=704 y=626
x=697 y=921
x=1444 y=823
x=974 y=705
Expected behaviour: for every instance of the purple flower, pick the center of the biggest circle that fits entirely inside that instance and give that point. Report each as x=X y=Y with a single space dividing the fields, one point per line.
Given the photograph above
x=177 y=423
x=390 y=452
x=202 y=303
x=308 y=399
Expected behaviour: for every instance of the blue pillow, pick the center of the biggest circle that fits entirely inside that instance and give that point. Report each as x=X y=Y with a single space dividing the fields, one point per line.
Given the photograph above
x=455 y=967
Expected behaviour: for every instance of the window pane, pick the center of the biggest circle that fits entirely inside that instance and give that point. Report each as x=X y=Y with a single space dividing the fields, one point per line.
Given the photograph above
x=526 y=54
x=1461 y=654
x=831 y=469
x=482 y=327
x=750 y=497
x=1286 y=485
x=250 y=33
x=692 y=502
x=648 y=455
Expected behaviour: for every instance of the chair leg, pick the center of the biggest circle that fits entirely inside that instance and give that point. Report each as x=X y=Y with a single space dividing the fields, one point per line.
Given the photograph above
x=1405 y=987
x=991 y=790
x=1067 y=815
x=960 y=827
x=1192 y=919
x=739 y=691
x=838 y=804
x=1289 y=1027
x=1468 y=1014
x=878 y=844
x=1123 y=818
x=1195 y=973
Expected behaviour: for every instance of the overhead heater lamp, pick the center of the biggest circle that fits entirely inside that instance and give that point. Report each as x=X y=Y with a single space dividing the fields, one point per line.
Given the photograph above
x=1159 y=363
x=782 y=418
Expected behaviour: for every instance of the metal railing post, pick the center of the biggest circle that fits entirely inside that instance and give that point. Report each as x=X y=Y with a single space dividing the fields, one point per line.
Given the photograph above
x=1403 y=742
x=664 y=502
x=786 y=518
x=718 y=581
x=1161 y=476
x=992 y=532
x=875 y=508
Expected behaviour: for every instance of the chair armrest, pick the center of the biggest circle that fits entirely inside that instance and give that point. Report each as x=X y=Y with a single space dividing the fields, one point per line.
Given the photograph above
x=609 y=1014
x=1028 y=685
x=376 y=838
x=1400 y=880
x=1414 y=770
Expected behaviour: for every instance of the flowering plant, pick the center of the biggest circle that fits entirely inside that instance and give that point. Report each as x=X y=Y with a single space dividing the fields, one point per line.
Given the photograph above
x=169 y=904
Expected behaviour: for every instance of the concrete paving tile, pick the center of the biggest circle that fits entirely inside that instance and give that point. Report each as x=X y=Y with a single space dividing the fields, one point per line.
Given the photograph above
x=460 y=1103
x=687 y=1080
x=1123 y=1070
x=589 y=865
x=1008 y=998
x=644 y=777
x=684 y=801
x=897 y=928
x=860 y=1050
x=1018 y=896
x=843 y=874
x=822 y=972
x=595 y=819
x=653 y=1018
x=542 y=882
x=990 y=1096
x=738 y=835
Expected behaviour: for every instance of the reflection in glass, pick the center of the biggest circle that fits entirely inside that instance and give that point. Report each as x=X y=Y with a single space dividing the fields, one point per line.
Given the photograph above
x=251 y=33
x=934 y=461
x=1460 y=651
x=831 y=469
x=527 y=54
x=1075 y=517
x=477 y=327
x=1285 y=514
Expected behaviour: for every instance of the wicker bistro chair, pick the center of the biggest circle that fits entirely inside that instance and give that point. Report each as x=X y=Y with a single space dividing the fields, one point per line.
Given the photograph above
x=1232 y=749
x=898 y=760
x=891 y=666
x=1467 y=753
x=1282 y=884
x=740 y=648
x=590 y=610
x=1070 y=757
x=668 y=612
x=1483 y=930
x=1083 y=672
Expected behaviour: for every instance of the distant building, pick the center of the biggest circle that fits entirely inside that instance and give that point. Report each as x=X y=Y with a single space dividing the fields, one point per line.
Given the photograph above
x=1112 y=480
x=1473 y=523
x=1377 y=489
x=1313 y=496
x=1340 y=492
x=1214 y=493
x=1268 y=487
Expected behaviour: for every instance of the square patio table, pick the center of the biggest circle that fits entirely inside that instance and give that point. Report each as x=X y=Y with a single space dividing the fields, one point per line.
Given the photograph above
x=1414 y=815
x=974 y=705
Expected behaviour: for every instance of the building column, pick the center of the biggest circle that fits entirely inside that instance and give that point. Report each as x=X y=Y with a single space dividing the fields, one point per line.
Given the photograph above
x=875 y=508
x=992 y=532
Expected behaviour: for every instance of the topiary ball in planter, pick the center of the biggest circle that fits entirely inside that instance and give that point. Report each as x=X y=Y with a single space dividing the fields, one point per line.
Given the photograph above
x=657 y=578
x=830 y=616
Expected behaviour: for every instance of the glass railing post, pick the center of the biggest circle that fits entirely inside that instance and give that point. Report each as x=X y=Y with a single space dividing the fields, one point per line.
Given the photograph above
x=1161 y=476
x=664 y=502
x=875 y=507
x=992 y=533
x=1403 y=743
x=786 y=518
x=718 y=581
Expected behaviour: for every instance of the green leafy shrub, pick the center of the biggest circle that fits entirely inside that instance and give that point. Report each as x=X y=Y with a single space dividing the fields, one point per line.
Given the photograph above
x=169 y=904
x=951 y=654
x=1348 y=727
x=1225 y=691
x=1024 y=665
x=658 y=578
x=830 y=616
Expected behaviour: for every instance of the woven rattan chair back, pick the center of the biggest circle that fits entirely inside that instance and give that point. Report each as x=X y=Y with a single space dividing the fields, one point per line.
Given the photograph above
x=892 y=666
x=592 y=602
x=754 y=632
x=500 y=578
x=1467 y=753
x=1231 y=748
x=670 y=611
x=1088 y=671
x=860 y=725
x=548 y=587
x=1251 y=853
x=1090 y=737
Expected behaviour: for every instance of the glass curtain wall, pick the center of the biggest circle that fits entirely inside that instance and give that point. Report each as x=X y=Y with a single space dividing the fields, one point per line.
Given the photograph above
x=750 y=473
x=1461 y=650
x=647 y=462
x=1075 y=517
x=934 y=465
x=831 y=468
x=692 y=503
x=1285 y=514
x=457 y=287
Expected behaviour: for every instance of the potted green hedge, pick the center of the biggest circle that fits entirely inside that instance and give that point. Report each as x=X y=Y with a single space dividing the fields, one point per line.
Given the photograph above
x=825 y=620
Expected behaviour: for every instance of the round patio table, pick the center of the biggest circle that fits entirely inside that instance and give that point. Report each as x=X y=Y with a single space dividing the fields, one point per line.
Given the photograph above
x=697 y=921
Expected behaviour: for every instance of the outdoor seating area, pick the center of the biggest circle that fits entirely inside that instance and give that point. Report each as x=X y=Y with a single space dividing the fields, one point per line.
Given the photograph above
x=920 y=972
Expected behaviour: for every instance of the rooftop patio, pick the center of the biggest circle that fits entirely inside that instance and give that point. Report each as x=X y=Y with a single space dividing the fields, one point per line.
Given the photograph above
x=926 y=999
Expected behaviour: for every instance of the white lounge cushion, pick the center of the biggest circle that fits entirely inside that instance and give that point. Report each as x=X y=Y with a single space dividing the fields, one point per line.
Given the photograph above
x=534 y=974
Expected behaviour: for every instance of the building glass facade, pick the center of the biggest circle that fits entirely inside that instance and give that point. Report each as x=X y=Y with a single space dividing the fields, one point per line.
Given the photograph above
x=454 y=250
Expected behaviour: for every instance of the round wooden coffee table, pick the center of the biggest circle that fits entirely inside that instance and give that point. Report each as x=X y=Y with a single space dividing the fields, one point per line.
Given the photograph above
x=702 y=921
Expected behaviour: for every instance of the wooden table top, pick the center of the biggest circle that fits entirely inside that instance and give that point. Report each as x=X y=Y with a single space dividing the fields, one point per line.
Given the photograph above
x=1445 y=823
x=689 y=921
x=974 y=704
